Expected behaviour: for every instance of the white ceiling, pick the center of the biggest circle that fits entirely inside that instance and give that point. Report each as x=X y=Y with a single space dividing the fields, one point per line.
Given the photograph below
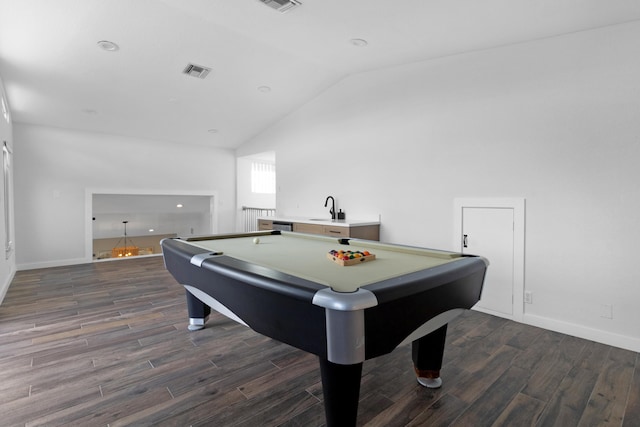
x=56 y=75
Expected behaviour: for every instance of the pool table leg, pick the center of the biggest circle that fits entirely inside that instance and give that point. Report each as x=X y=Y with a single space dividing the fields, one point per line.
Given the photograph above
x=341 y=390
x=427 y=353
x=198 y=312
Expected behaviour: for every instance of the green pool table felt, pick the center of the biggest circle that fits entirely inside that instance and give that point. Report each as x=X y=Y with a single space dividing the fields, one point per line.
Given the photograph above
x=304 y=256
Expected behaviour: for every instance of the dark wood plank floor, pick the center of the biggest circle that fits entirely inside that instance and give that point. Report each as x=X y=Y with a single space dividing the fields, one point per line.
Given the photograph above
x=106 y=344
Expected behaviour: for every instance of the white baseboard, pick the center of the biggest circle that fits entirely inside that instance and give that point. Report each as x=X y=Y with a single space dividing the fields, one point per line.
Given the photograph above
x=573 y=329
x=493 y=313
x=48 y=264
x=65 y=262
x=604 y=337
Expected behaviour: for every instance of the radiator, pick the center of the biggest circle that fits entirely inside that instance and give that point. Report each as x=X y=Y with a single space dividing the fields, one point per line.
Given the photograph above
x=250 y=216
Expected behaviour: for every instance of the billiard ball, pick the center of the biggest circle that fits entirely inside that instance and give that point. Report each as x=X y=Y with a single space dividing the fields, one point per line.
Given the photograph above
x=256 y=240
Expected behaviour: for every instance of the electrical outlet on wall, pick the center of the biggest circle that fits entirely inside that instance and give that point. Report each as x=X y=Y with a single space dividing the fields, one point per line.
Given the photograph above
x=528 y=297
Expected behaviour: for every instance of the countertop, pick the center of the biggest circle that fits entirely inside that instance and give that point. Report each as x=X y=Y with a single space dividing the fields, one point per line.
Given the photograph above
x=320 y=221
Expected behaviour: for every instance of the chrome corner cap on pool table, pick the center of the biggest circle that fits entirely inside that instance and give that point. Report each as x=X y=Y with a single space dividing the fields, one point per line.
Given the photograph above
x=345 y=301
x=344 y=319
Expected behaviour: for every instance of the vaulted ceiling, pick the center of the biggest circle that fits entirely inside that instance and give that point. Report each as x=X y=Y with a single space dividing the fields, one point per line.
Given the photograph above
x=264 y=63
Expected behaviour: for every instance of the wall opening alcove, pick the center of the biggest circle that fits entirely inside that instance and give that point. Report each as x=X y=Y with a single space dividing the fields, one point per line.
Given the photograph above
x=146 y=219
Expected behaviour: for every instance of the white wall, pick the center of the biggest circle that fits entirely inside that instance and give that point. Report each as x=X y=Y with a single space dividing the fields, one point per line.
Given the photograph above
x=7 y=264
x=554 y=121
x=55 y=167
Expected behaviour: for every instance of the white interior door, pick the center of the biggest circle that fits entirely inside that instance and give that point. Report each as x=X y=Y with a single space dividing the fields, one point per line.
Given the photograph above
x=489 y=232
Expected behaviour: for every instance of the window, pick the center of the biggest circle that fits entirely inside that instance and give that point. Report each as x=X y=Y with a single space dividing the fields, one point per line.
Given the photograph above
x=5 y=108
x=8 y=208
x=263 y=178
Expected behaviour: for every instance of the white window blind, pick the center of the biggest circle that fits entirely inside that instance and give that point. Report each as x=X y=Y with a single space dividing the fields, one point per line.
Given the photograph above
x=263 y=178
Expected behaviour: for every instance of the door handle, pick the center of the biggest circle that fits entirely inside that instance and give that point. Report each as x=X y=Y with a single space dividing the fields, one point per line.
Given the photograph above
x=464 y=240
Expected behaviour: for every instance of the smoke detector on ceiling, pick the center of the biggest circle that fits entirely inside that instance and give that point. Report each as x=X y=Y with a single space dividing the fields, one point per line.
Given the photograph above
x=198 y=71
x=281 y=6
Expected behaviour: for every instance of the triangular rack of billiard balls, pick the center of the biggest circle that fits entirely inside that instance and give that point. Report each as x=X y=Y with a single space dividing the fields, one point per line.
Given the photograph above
x=345 y=258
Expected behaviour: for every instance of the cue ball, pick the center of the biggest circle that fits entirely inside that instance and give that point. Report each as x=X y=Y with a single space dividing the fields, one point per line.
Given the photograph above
x=256 y=240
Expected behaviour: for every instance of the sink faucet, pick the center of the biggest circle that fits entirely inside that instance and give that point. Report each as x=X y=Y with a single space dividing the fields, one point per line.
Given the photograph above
x=333 y=206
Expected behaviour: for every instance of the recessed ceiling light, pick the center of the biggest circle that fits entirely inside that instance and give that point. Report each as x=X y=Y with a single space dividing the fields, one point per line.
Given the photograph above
x=90 y=112
x=151 y=230
x=179 y=205
x=213 y=131
x=108 y=46
x=264 y=89
x=359 y=42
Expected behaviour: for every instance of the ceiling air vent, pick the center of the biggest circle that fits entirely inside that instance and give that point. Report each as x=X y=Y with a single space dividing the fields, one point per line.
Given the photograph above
x=198 y=71
x=281 y=5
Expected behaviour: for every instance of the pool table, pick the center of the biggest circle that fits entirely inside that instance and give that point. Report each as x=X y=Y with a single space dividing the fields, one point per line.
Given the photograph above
x=283 y=285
